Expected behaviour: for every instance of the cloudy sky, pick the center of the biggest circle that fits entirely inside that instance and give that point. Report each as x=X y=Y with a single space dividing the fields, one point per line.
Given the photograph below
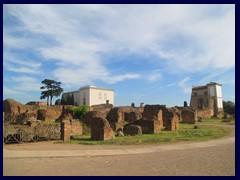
x=146 y=53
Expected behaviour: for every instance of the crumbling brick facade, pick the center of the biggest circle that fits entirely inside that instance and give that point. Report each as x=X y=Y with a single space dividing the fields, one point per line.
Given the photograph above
x=116 y=118
x=76 y=127
x=101 y=130
x=65 y=131
x=132 y=130
x=171 y=119
x=189 y=116
x=154 y=113
x=149 y=127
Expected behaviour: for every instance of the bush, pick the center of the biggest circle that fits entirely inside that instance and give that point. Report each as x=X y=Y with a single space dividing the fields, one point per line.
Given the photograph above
x=80 y=112
x=229 y=107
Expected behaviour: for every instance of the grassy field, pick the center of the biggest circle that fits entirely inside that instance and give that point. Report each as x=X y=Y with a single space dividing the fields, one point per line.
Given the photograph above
x=185 y=133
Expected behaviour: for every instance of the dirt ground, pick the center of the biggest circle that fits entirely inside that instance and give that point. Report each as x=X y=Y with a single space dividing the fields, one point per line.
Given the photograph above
x=208 y=158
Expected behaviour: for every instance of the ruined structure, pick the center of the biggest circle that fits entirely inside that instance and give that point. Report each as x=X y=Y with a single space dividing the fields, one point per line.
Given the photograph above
x=116 y=118
x=207 y=99
x=40 y=103
x=149 y=126
x=171 y=119
x=189 y=116
x=154 y=113
x=132 y=130
x=101 y=130
x=17 y=112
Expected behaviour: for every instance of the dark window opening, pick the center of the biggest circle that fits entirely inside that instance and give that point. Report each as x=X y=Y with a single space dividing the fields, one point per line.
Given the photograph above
x=195 y=93
x=205 y=93
x=200 y=103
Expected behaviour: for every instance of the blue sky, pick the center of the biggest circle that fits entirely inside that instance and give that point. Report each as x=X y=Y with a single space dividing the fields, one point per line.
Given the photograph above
x=146 y=53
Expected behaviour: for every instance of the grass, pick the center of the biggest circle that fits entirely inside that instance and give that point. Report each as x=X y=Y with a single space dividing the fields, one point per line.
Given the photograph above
x=186 y=132
x=51 y=122
x=219 y=121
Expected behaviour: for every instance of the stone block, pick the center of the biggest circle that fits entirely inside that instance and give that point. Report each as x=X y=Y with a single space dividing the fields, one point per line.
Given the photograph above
x=189 y=116
x=149 y=126
x=132 y=130
x=101 y=130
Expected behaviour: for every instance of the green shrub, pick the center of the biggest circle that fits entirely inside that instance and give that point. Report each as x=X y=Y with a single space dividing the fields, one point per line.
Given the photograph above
x=80 y=112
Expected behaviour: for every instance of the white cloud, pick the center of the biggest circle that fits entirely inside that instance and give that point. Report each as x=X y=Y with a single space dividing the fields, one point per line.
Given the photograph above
x=10 y=91
x=188 y=38
x=184 y=85
x=123 y=77
x=25 y=83
x=16 y=63
x=154 y=76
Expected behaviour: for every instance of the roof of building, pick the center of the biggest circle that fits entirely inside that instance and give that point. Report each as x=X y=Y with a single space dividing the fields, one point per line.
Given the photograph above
x=214 y=83
x=89 y=87
x=205 y=86
x=199 y=87
x=95 y=87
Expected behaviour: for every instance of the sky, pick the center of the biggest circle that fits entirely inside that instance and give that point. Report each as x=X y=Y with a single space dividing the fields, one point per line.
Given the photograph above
x=147 y=53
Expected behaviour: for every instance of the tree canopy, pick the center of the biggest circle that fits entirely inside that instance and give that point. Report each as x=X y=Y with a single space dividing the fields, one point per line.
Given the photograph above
x=229 y=107
x=52 y=88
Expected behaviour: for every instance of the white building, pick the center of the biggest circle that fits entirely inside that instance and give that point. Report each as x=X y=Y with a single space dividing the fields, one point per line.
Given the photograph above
x=89 y=95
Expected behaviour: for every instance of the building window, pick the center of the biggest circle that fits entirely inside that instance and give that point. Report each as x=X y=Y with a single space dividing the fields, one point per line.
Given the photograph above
x=205 y=93
x=195 y=94
x=200 y=103
x=100 y=96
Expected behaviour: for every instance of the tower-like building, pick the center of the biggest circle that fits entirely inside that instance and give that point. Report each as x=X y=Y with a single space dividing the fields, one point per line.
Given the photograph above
x=207 y=99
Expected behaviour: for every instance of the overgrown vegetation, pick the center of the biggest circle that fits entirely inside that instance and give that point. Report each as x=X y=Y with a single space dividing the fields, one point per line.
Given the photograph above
x=229 y=107
x=52 y=122
x=69 y=101
x=80 y=112
x=185 y=133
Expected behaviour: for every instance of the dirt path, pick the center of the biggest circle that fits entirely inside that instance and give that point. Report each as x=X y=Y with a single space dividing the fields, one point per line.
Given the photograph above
x=214 y=157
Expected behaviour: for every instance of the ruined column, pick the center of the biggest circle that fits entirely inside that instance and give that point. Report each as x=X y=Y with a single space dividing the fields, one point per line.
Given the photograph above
x=65 y=130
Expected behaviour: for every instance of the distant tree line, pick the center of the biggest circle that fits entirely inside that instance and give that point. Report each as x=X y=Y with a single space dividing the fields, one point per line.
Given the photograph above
x=68 y=101
x=229 y=107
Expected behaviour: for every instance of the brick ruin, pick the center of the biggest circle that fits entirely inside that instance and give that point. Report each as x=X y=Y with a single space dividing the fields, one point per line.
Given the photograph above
x=17 y=112
x=70 y=128
x=132 y=130
x=103 y=123
x=101 y=130
x=171 y=119
x=115 y=118
x=189 y=116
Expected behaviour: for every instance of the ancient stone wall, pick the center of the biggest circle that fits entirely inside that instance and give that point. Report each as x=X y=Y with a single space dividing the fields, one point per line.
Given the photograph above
x=101 y=130
x=14 y=109
x=154 y=113
x=76 y=127
x=66 y=130
x=40 y=103
x=171 y=119
x=116 y=118
x=189 y=116
x=92 y=114
x=132 y=130
x=149 y=126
